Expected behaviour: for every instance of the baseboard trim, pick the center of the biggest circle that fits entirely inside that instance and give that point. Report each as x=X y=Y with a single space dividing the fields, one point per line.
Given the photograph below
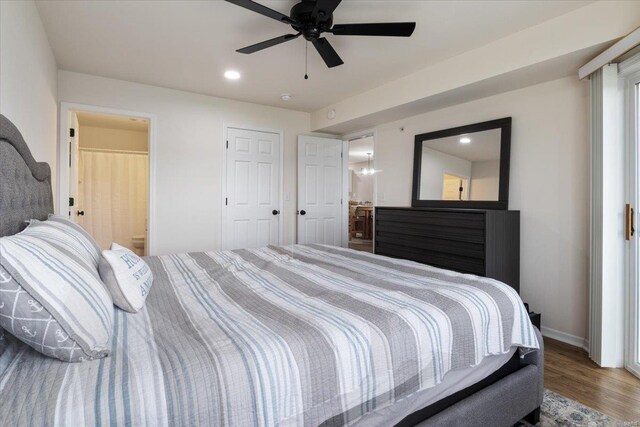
x=632 y=370
x=565 y=338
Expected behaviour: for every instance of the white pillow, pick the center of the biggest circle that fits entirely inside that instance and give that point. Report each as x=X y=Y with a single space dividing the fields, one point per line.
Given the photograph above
x=127 y=277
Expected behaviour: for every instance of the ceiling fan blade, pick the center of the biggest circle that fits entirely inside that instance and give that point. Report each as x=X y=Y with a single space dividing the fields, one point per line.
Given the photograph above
x=326 y=51
x=389 y=29
x=324 y=9
x=268 y=43
x=262 y=10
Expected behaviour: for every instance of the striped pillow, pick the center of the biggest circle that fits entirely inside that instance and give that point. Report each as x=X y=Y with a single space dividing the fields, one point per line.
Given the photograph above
x=51 y=299
x=67 y=236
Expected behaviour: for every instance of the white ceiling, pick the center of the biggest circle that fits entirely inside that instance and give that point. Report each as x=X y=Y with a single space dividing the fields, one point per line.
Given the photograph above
x=112 y=122
x=484 y=145
x=188 y=45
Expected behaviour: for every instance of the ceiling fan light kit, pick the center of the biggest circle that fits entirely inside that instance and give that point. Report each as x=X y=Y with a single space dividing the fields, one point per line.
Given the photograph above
x=311 y=18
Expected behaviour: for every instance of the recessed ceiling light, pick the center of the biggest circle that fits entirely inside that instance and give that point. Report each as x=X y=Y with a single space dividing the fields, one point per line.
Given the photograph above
x=232 y=75
x=465 y=140
x=285 y=97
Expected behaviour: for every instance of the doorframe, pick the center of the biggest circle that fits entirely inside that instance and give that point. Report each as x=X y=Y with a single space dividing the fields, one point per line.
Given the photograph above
x=345 y=181
x=223 y=216
x=63 y=155
x=466 y=178
x=631 y=78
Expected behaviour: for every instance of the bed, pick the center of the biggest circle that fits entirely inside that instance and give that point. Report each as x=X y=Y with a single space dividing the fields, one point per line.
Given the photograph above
x=296 y=335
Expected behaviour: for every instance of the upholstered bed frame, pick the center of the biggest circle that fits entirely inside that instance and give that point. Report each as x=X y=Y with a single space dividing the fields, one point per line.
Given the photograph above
x=513 y=392
x=25 y=185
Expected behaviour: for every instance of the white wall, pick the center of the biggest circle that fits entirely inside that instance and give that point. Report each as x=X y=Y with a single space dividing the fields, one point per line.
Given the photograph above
x=113 y=139
x=189 y=152
x=485 y=180
x=434 y=165
x=28 y=79
x=549 y=185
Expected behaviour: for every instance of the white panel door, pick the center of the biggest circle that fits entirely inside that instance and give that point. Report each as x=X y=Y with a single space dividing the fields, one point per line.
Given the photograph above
x=319 y=190
x=252 y=205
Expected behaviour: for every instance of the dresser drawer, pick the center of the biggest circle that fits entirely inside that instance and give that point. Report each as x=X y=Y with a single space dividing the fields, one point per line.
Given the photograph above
x=458 y=226
x=431 y=243
x=443 y=232
x=437 y=259
x=471 y=219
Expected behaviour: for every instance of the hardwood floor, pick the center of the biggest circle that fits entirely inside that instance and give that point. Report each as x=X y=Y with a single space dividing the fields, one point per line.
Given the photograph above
x=569 y=372
x=361 y=245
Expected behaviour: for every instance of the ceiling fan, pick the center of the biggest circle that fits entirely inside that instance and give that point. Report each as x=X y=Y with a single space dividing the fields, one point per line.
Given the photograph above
x=311 y=18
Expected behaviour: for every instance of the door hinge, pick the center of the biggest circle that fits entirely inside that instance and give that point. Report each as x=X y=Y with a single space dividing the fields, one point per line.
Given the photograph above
x=70 y=148
x=226 y=201
x=72 y=132
x=227 y=145
x=71 y=201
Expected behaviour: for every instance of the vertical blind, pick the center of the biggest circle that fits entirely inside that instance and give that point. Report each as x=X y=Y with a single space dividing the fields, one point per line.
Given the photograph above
x=607 y=244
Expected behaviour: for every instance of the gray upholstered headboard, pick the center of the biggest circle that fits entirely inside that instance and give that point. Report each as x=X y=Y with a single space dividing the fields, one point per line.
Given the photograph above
x=25 y=185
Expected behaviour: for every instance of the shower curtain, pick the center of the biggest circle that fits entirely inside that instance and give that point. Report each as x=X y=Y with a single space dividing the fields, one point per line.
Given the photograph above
x=113 y=192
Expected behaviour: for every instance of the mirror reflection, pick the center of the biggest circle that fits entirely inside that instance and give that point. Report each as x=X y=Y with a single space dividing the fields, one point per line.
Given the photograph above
x=461 y=167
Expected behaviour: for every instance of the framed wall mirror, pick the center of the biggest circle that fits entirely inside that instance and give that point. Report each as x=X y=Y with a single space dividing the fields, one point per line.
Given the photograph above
x=463 y=167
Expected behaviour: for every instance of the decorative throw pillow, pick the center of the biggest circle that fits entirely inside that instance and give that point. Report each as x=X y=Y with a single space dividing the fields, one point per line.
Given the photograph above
x=60 y=230
x=52 y=301
x=127 y=276
x=64 y=237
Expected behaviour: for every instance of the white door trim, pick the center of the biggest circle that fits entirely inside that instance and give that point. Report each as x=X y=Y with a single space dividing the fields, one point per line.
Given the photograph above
x=345 y=194
x=223 y=217
x=345 y=182
x=63 y=158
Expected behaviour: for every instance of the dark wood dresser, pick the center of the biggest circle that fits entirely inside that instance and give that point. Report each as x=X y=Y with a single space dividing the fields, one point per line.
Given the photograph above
x=482 y=242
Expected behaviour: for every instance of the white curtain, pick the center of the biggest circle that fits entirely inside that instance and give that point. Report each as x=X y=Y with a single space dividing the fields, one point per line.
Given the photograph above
x=113 y=192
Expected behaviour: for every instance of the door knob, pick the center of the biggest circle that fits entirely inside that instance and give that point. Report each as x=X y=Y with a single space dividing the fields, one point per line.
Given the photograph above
x=275 y=212
x=303 y=212
x=80 y=213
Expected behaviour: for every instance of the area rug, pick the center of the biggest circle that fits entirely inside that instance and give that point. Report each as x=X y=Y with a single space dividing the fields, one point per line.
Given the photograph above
x=558 y=410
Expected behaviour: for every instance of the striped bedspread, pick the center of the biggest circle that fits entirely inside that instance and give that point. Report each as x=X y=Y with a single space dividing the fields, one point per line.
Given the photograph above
x=297 y=335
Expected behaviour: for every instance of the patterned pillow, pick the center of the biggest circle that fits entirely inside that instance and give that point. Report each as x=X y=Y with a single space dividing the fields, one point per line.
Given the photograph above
x=127 y=276
x=52 y=301
x=67 y=236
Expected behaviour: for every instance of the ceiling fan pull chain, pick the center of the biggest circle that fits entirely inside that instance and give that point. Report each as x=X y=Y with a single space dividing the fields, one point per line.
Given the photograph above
x=306 y=50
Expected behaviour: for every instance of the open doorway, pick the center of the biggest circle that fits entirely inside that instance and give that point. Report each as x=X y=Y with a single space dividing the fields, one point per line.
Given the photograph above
x=361 y=192
x=109 y=178
x=455 y=187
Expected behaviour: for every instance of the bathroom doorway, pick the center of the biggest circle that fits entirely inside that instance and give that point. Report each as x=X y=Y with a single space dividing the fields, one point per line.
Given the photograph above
x=109 y=178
